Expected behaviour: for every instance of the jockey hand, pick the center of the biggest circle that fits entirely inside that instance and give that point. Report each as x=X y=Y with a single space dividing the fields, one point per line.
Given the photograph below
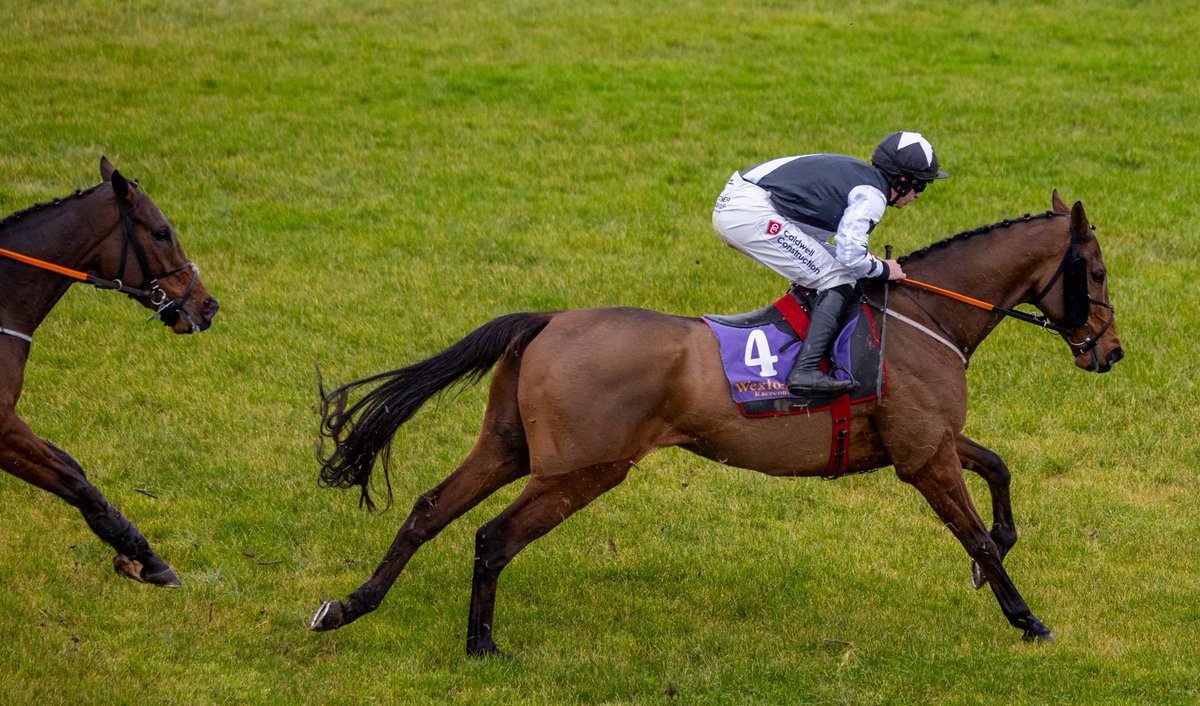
x=894 y=271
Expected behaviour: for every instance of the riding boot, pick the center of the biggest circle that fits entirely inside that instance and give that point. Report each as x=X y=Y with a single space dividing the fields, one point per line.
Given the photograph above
x=806 y=377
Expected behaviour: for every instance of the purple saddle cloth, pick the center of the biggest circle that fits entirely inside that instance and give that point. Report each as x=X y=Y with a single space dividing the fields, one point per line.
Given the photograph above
x=759 y=348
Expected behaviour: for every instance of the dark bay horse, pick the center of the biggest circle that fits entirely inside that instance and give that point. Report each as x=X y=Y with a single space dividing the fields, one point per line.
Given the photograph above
x=577 y=397
x=110 y=235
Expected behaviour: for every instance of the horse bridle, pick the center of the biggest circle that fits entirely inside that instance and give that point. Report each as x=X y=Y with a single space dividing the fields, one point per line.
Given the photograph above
x=166 y=309
x=158 y=298
x=1077 y=303
x=1072 y=269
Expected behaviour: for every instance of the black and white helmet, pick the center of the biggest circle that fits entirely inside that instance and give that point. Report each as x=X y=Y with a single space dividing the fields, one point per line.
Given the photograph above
x=907 y=154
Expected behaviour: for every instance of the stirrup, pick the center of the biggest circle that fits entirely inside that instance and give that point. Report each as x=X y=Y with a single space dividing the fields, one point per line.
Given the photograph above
x=818 y=383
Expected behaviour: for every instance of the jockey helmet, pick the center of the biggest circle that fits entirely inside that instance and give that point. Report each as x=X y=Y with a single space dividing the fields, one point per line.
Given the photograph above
x=907 y=154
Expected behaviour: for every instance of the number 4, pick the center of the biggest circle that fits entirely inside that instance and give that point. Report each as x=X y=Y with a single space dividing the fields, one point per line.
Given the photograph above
x=758 y=354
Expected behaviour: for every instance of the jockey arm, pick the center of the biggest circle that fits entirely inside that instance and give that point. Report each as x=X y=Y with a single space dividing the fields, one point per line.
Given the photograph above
x=864 y=209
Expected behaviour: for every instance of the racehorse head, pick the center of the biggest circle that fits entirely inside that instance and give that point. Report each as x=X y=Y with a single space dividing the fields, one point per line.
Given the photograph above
x=1073 y=293
x=142 y=251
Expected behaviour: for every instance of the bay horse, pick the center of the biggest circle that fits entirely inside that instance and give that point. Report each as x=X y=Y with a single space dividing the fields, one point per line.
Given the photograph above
x=579 y=396
x=109 y=235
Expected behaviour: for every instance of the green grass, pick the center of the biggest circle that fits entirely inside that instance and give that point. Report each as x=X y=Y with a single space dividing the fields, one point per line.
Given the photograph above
x=364 y=182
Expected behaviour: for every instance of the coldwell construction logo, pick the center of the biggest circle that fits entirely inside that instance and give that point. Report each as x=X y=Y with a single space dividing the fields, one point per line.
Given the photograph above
x=774 y=227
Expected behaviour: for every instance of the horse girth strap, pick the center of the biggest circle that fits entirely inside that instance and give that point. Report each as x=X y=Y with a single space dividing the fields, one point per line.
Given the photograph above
x=891 y=313
x=839 y=444
x=839 y=406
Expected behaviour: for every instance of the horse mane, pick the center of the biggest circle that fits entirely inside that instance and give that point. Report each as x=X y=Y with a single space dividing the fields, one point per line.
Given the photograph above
x=18 y=215
x=947 y=242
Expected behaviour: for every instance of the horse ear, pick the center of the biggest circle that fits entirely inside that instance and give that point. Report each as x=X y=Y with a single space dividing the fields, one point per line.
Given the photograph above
x=106 y=169
x=121 y=187
x=1057 y=203
x=1081 y=230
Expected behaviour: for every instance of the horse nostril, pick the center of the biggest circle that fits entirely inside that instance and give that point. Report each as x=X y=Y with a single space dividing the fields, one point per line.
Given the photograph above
x=1116 y=354
x=209 y=307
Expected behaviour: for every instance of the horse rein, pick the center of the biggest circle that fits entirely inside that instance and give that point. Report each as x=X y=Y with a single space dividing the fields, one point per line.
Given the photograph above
x=1061 y=327
x=149 y=290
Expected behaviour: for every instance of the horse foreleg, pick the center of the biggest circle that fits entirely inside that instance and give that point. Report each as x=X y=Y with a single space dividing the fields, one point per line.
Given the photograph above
x=48 y=467
x=992 y=469
x=542 y=506
x=941 y=481
x=494 y=463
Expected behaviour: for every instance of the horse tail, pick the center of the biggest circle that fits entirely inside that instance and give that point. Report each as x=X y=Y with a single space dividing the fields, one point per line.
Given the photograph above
x=361 y=432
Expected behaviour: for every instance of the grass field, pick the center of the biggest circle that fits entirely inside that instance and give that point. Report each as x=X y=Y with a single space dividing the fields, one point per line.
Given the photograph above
x=363 y=182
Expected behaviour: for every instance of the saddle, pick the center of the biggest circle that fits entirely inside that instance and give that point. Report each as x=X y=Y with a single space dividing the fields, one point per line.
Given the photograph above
x=758 y=349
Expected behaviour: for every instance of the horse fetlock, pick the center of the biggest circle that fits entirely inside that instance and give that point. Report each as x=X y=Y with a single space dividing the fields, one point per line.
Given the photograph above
x=1004 y=535
x=112 y=527
x=362 y=601
x=1005 y=540
x=134 y=559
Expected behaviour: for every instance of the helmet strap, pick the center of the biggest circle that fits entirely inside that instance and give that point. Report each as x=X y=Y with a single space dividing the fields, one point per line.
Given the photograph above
x=900 y=186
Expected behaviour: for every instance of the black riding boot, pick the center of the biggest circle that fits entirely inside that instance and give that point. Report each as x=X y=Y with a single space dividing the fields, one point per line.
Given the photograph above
x=806 y=377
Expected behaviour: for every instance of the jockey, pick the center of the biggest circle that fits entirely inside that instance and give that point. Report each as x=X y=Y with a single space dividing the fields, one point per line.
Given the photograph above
x=781 y=213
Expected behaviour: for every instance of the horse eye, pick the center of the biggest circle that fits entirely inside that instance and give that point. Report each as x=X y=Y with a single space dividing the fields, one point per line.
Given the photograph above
x=1098 y=276
x=162 y=234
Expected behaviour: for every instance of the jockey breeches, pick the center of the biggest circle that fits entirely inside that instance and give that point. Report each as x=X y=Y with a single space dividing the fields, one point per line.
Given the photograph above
x=746 y=220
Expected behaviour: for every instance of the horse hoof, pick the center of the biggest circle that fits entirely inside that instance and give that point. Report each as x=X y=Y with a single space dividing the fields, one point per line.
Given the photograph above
x=328 y=617
x=163 y=576
x=1036 y=632
x=492 y=653
x=977 y=579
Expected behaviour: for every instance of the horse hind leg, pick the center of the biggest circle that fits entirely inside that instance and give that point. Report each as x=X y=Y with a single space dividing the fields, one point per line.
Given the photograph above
x=941 y=481
x=48 y=467
x=134 y=558
x=498 y=459
x=989 y=466
x=544 y=503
